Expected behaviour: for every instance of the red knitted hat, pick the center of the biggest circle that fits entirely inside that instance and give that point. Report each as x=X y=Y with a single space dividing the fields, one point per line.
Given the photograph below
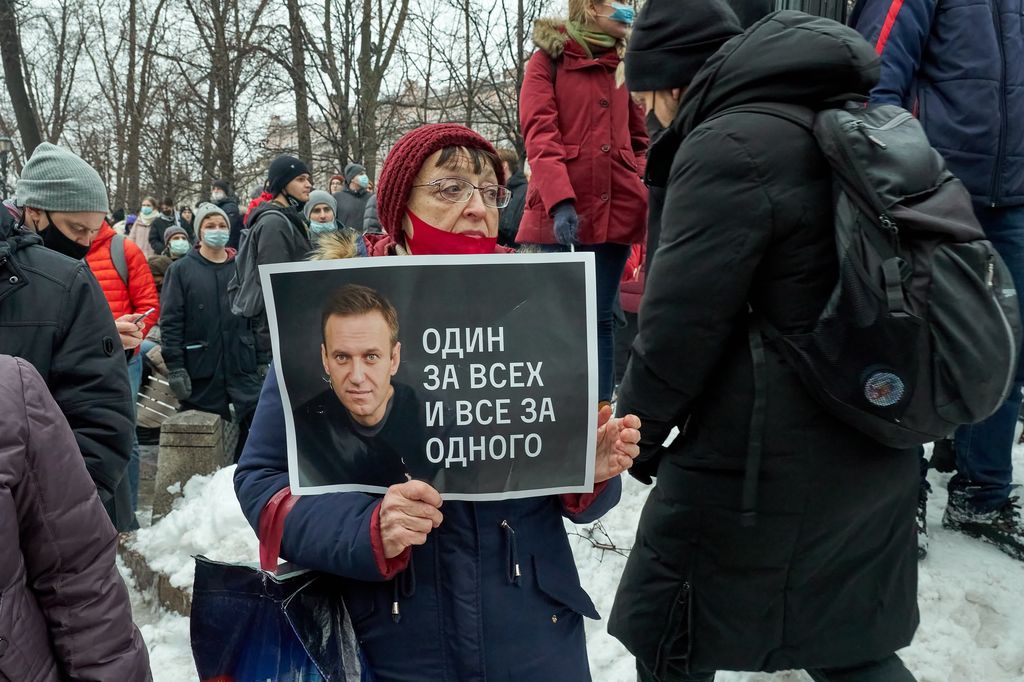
x=404 y=161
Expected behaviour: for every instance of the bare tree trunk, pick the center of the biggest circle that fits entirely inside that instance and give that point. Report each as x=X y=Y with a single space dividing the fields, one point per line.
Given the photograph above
x=207 y=144
x=10 y=53
x=130 y=179
x=519 y=142
x=469 y=68
x=298 y=69
x=221 y=63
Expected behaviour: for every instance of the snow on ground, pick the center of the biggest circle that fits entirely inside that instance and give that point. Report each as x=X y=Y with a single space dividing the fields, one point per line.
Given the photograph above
x=207 y=521
x=971 y=595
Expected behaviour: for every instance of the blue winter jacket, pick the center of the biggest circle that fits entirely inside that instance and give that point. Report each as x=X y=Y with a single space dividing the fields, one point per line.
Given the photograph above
x=463 y=613
x=959 y=65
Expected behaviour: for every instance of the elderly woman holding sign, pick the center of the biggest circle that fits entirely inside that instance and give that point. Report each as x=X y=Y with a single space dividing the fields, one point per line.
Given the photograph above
x=468 y=590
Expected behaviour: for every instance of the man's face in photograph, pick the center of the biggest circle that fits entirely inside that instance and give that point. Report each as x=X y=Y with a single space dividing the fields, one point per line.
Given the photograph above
x=360 y=361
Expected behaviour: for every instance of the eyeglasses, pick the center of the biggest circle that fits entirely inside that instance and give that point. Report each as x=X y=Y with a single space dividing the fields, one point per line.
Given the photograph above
x=459 y=191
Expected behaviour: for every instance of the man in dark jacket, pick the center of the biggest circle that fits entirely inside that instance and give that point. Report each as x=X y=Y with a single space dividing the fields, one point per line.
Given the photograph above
x=352 y=199
x=222 y=198
x=823 y=574
x=277 y=233
x=508 y=223
x=53 y=314
x=960 y=68
x=161 y=223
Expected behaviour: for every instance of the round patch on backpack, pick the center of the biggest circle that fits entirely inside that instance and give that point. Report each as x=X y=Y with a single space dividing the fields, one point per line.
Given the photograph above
x=884 y=389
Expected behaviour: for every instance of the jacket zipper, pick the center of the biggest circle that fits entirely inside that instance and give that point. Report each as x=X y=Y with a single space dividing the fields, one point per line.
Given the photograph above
x=990 y=281
x=885 y=221
x=1000 y=152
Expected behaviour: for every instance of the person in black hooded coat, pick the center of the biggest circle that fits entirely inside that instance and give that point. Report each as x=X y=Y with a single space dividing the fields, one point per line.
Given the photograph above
x=212 y=350
x=823 y=574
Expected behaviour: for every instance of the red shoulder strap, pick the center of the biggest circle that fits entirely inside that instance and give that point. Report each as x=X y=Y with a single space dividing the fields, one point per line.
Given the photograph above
x=272 y=527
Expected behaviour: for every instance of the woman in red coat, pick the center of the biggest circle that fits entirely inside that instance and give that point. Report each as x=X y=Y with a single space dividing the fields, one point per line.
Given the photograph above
x=586 y=144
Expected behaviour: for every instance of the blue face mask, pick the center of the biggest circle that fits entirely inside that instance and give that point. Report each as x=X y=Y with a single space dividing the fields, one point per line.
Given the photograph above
x=179 y=247
x=622 y=13
x=215 y=238
x=321 y=228
x=146 y=210
x=362 y=180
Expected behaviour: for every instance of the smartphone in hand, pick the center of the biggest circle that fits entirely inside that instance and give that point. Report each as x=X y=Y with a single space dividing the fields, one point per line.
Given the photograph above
x=143 y=316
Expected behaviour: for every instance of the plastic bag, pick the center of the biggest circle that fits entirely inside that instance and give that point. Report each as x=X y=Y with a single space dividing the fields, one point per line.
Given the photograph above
x=251 y=625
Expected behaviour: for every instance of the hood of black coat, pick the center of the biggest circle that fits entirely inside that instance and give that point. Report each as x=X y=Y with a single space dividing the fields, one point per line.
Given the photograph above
x=14 y=236
x=786 y=57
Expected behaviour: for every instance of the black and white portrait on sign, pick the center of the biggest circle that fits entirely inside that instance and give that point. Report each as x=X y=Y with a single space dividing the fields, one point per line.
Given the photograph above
x=474 y=374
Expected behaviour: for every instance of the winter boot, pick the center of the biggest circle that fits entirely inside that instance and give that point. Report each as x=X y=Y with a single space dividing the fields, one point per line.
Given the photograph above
x=944 y=456
x=1001 y=527
x=922 y=520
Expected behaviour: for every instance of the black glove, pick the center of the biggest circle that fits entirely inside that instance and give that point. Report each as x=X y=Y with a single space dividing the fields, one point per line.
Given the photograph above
x=263 y=369
x=567 y=223
x=181 y=383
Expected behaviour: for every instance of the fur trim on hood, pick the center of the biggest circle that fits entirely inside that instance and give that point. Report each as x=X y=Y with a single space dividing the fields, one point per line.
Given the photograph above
x=337 y=244
x=549 y=35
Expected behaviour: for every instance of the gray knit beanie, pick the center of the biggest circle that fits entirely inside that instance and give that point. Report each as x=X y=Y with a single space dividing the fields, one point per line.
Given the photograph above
x=204 y=211
x=317 y=197
x=54 y=179
x=173 y=230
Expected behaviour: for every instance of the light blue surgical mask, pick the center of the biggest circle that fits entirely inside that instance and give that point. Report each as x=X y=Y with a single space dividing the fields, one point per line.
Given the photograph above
x=215 y=238
x=322 y=228
x=147 y=210
x=622 y=13
x=179 y=247
x=362 y=180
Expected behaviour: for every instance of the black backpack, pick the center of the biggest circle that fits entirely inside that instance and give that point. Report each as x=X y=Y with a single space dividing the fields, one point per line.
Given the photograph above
x=922 y=331
x=245 y=292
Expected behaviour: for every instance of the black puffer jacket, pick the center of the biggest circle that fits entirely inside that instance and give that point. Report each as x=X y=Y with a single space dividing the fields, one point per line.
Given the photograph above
x=827 y=574
x=200 y=334
x=54 y=315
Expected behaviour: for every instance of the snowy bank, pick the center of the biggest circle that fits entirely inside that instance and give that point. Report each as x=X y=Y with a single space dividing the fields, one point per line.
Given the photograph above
x=206 y=520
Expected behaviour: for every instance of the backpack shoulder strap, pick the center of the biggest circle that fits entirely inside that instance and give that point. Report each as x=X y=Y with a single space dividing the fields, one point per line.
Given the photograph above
x=118 y=257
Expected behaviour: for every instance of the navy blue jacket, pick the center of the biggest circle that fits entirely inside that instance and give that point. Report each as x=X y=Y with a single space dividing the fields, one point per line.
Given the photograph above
x=959 y=66
x=464 y=616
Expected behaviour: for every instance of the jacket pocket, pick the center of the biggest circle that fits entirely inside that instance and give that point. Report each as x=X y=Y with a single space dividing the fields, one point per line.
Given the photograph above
x=246 y=357
x=629 y=159
x=199 y=362
x=21 y=625
x=561 y=585
x=674 y=647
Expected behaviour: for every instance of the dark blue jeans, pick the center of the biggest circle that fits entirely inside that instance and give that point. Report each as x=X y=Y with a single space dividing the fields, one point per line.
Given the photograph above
x=135 y=379
x=609 y=260
x=983 y=450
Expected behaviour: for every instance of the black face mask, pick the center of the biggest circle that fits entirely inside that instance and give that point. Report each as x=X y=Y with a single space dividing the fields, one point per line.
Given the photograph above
x=653 y=124
x=54 y=239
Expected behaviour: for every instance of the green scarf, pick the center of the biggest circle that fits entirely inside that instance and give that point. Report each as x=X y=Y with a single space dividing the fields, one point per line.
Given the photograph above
x=588 y=39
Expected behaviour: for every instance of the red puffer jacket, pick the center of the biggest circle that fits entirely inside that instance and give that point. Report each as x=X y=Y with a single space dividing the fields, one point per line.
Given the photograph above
x=140 y=293
x=585 y=141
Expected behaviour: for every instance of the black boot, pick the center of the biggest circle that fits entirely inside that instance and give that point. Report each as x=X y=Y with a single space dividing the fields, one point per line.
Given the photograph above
x=1001 y=527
